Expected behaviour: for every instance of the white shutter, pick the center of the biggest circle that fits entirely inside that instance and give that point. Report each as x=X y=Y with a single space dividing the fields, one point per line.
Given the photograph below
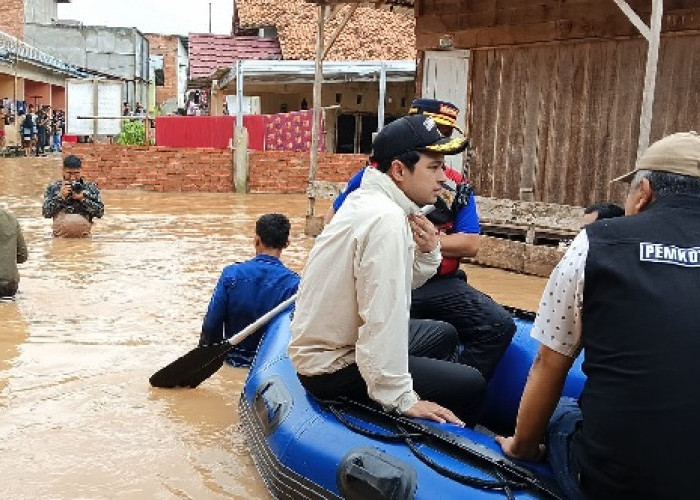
x=445 y=77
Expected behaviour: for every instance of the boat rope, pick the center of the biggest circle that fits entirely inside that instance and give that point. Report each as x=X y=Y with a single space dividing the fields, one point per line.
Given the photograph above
x=501 y=483
x=408 y=437
x=409 y=432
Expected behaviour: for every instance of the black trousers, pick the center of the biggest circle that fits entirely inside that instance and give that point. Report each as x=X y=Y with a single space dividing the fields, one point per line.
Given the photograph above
x=40 y=140
x=436 y=377
x=485 y=328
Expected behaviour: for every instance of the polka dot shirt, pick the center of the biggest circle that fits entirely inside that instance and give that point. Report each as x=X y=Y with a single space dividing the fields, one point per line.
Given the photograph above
x=558 y=321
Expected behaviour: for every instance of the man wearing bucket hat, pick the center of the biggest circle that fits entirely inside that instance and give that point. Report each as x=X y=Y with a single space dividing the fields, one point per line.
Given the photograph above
x=627 y=293
x=485 y=328
x=350 y=331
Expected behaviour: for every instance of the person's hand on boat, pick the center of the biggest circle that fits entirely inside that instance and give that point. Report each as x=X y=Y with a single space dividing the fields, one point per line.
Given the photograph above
x=432 y=411
x=532 y=453
x=424 y=233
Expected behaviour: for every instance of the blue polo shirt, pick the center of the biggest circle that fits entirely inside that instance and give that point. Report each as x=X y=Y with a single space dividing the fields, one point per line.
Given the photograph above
x=245 y=291
x=466 y=221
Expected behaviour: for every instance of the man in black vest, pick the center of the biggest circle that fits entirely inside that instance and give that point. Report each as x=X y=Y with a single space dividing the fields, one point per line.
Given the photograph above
x=627 y=292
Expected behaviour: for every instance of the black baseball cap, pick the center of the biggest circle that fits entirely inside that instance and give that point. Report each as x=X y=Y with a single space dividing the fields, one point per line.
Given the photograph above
x=414 y=133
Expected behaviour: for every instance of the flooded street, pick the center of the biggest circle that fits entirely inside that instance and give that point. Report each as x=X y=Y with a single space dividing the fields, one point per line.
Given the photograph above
x=94 y=318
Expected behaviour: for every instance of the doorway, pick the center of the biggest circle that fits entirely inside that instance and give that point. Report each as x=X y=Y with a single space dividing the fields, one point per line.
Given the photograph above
x=355 y=132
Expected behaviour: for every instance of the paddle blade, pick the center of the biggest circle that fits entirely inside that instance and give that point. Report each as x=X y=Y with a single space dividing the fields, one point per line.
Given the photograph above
x=199 y=364
x=193 y=368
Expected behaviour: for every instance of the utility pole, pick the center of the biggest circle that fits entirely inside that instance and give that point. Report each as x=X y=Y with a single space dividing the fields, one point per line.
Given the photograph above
x=210 y=18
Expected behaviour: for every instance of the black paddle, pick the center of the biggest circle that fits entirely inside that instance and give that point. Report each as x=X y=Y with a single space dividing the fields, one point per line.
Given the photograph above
x=201 y=363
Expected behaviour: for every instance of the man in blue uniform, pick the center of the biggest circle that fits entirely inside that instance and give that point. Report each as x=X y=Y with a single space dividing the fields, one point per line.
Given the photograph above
x=627 y=293
x=485 y=328
x=249 y=289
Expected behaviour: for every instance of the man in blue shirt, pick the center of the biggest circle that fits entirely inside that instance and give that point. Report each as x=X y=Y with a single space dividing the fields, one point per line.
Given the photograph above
x=249 y=289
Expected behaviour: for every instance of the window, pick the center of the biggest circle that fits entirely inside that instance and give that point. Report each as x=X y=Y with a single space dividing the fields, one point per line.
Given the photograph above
x=159 y=77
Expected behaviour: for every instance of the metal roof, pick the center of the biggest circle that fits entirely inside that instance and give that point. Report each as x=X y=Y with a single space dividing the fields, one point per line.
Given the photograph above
x=303 y=71
x=14 y=48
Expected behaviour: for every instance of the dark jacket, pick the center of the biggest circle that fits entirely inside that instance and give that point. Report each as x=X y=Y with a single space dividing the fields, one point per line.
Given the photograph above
x=641 y=339
x=89 y=208
x=13 y=250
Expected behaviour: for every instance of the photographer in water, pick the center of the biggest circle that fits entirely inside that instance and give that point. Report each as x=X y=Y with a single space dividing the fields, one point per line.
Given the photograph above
x=72 y=202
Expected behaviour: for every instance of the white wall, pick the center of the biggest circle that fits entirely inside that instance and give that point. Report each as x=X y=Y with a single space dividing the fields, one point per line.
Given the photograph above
x=40 y=11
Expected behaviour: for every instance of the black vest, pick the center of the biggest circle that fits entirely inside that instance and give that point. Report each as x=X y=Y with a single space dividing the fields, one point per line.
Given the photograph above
x=641 y=336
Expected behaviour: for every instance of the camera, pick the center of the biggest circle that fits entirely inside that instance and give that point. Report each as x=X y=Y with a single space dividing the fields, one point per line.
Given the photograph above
x=77 y=186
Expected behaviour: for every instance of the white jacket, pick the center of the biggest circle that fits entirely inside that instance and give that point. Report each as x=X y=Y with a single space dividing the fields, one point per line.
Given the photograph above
x=355 y=294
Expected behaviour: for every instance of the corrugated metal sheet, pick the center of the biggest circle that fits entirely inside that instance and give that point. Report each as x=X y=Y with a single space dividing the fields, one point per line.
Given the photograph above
x=556 y=123
x=333 y=71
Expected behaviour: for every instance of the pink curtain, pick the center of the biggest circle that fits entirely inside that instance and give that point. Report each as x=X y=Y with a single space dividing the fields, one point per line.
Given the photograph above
x=290 y=132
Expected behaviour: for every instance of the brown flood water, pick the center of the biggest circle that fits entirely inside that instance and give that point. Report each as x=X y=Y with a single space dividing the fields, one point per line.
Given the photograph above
x=95 y=317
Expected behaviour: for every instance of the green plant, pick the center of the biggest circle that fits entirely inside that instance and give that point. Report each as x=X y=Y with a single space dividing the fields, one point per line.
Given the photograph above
x=132 y=133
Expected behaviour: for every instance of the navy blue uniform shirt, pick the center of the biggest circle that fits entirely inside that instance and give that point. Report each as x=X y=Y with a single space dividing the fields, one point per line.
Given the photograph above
x=245 y=292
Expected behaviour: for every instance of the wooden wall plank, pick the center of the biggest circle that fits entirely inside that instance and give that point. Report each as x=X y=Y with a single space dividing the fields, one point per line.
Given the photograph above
x=580 y=103
x=507 y=99
x=481 y=126
x=561 y=119
x=547 y=108
x=602 y=112
x=555 y=173
x=531 y=125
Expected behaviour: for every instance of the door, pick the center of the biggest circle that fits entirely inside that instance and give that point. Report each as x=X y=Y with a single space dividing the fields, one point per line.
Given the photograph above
x=345 y=134
x=446 y=77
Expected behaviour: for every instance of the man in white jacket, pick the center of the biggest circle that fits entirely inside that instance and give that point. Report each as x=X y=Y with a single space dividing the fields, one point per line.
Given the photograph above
x=350 y=332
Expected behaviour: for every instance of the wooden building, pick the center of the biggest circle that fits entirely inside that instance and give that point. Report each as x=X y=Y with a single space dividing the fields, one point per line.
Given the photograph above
x=554 y=88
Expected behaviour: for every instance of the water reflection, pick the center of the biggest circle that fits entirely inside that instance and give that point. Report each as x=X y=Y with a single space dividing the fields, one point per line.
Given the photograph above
x=95 y=318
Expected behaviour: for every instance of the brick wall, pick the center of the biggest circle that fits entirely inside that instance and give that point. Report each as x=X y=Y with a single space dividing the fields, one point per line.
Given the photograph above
x=155 y=168
x=288 y=172
x=158 y=168
x=12 y=17
x=165 y=46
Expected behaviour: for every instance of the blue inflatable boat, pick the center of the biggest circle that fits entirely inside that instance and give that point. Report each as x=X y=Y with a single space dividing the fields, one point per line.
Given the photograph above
x=304 y=448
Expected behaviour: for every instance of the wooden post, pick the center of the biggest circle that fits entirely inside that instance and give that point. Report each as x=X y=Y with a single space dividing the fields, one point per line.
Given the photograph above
x=311 y=224
x=633 y=17
x=240 y=159
x=240 y=137
x=337 y=31
x=646 y=115
x=652 y=33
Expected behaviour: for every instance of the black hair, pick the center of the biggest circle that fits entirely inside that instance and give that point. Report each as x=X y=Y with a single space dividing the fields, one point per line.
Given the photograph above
x=273 y=230
x=409 y=159
x=605 y=210
x=72 y=161
x=665 y=183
